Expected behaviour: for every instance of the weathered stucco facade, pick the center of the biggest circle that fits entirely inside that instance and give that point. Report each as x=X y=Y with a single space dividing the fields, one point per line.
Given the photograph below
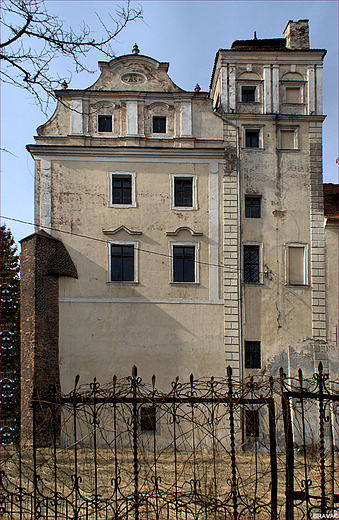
x=194 y=220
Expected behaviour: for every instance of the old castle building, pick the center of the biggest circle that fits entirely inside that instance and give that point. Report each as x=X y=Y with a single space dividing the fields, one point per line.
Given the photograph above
x=185 y=230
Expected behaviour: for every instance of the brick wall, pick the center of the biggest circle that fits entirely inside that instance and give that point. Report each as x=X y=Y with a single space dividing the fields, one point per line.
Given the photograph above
x=43 y=260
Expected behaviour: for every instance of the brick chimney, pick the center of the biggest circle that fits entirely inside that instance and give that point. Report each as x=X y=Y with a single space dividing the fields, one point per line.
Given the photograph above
x=296 y=35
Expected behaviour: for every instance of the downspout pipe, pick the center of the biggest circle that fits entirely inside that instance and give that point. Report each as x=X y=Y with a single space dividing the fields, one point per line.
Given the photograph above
x=241 y=369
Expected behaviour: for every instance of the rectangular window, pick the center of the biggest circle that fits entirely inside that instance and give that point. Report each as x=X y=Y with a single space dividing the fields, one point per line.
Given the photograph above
x=251 y=264
x=104 y=123
x=287 y=139
x=252 y=207
x=122 y=263
x=293 y=95
x=252 y=423
x=184 y=264
x=296 y=264
x=183 y=191
x=159 y=125
x=122 y=189
x=252 y=354
x=248 y=94
x=148 y=421
x=252 y=138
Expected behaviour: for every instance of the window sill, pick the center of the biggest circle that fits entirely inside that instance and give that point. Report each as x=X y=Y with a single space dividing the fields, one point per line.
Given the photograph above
x=121 y=283
x=184 y=208
x=259 y=149
x=249 y=103
x=184 y=283
x=297 y=285
x=123 y=206
x=253 y=284
x=288 y=149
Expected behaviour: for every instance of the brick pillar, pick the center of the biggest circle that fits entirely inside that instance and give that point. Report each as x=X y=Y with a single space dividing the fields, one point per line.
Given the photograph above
x=317 y=245
x=231 y=278
x=43 y=259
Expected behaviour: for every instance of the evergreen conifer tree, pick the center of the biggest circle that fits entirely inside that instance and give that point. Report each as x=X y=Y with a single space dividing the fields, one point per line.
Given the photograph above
x=10 y=339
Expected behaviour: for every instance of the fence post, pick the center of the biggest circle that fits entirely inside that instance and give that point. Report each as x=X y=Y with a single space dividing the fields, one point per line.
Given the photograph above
x=273 y=455
x=232 y=437
x=320 y=378
x=35 y=477
x=135 y=442
x=289 y=449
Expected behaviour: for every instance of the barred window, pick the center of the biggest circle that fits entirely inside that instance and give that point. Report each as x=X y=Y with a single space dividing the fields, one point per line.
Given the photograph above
x=251 y=264
x=252 y=354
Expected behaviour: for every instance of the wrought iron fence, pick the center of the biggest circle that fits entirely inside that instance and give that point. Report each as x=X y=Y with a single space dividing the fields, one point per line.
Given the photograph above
x=207 y=449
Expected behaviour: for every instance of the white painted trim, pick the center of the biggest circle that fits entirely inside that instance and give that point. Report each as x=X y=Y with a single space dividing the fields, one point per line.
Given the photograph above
x=196 y=246
x=186 y=118
x=311 y=90
x=46 y=193
x=110 y=188
x=231 y=87
x=275 y=88
x=305 y=263
x=192 y=176
x=319 y=89
x=157 y=301
x=76 y=117
x=267 y=89
x=135 y=244
x=214 y=235
x=132 y=118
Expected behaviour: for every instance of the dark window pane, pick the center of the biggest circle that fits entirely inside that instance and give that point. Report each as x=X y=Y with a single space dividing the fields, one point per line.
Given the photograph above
x=251 y=264
x=184 y=264
x=183 y=192
x=252 y=423
x=121 y=190
x=252 y=354
x=252 y=138
x=122 y=263
x=248 y=94
x=252 y=207
x=159 y=125
x=148 y=418
x=105 y=123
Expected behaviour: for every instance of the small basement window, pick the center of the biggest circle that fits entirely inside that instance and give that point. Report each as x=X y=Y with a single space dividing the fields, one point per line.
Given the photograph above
x=252 y=207
x=148 y=421
x=159 y=125
x=104 y=123
x=247 y=94
x=252 y=423
x=252 y=138
x=252 y=354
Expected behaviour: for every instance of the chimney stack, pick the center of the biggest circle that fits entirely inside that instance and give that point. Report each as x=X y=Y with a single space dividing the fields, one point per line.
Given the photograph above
x=296 y=35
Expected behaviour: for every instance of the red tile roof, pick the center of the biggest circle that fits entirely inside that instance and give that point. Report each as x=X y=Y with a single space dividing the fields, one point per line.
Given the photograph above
x=331 y=201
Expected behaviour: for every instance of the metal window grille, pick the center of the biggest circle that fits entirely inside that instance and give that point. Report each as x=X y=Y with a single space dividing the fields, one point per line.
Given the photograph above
x=159 y=125
x=252 y=354
x=184 y=264
x=252 y=207
x=183 y=192
x=121 y=189
x=122 y=263
x=252 y=138
x=251 y=264
x=148 y=418
x=105 y=123
x=252 y=423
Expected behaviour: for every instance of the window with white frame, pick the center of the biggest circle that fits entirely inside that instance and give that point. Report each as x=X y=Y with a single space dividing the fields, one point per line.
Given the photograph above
x=288 y=138
x=252 y=263
x=296 y=264
x=122 y=189
x=183 y=192
x=123 y=261
x=184 y=263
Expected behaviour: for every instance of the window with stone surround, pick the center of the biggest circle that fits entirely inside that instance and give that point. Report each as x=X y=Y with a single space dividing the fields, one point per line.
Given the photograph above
x=123 y=261
x=184 y=262
x=288 y=138
x=122 y=189
x=296 y=264
x=248 y=94
x=183 y=191
x=159 y=125
x=104 y=123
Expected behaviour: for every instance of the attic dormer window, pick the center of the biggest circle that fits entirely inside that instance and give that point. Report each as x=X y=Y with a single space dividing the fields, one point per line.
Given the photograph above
x=104 y=123
x=159 y=124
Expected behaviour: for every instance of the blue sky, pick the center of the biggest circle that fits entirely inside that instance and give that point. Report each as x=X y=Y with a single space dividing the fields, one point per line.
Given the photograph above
x=185 y=33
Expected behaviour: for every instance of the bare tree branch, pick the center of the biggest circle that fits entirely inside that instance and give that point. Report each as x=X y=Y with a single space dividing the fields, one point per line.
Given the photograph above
x=33 y=38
